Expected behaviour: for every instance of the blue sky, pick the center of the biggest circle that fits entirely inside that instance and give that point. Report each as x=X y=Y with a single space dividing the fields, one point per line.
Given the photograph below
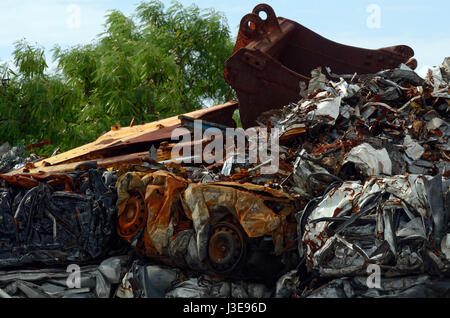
x=423 y=25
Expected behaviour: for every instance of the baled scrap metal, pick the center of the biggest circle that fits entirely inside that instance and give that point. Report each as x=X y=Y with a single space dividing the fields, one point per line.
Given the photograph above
x=180 y=215
x=421 y=286
x=161 y=192
x=367 y=137
x=121 y=141
x=154 y=281
x=247 y=203
x=374 y=157
x=44 y=221
x=174 y=218
x=206 y=287
x=386 y=221
x=147 y=281
x=344 y=144
x=366 y=207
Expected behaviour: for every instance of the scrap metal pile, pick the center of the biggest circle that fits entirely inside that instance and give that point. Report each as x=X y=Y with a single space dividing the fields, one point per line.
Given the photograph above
x=372 y=158
x=13 y=158
x=362 y=180
x=49 y=219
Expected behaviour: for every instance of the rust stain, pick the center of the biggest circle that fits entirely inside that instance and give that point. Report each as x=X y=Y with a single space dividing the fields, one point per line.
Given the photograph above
x=337 y=211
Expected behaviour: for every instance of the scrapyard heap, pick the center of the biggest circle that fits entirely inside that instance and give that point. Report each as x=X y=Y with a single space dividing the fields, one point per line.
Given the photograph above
x=362 y=187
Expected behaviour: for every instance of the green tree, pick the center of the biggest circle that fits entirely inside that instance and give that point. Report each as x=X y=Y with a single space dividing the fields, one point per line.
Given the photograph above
x=33 y=104
x=156 y=63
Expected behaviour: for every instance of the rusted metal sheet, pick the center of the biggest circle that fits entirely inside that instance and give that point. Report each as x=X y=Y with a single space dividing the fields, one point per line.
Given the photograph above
x=111 y=162
x=33 y=180
x=129 y=140
x=223 y=216
x=273 y=56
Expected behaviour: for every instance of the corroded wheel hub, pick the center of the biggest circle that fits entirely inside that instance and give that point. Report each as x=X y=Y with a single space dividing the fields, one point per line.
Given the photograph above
x=226 y=247
x=133 y=217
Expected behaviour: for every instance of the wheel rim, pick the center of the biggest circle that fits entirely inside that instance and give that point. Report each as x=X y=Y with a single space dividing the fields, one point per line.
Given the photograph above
x=133 y=217
x=226 y=247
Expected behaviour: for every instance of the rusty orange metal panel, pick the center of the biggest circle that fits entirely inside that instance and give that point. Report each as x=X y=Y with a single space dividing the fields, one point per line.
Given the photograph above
x=126 y=139
x=111 y=162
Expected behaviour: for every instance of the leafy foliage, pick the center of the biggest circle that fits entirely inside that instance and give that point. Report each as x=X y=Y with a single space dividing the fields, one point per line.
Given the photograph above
x=154 y=64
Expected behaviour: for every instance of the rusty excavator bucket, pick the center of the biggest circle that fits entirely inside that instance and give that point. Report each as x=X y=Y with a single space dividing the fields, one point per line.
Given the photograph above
x=273 y=55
